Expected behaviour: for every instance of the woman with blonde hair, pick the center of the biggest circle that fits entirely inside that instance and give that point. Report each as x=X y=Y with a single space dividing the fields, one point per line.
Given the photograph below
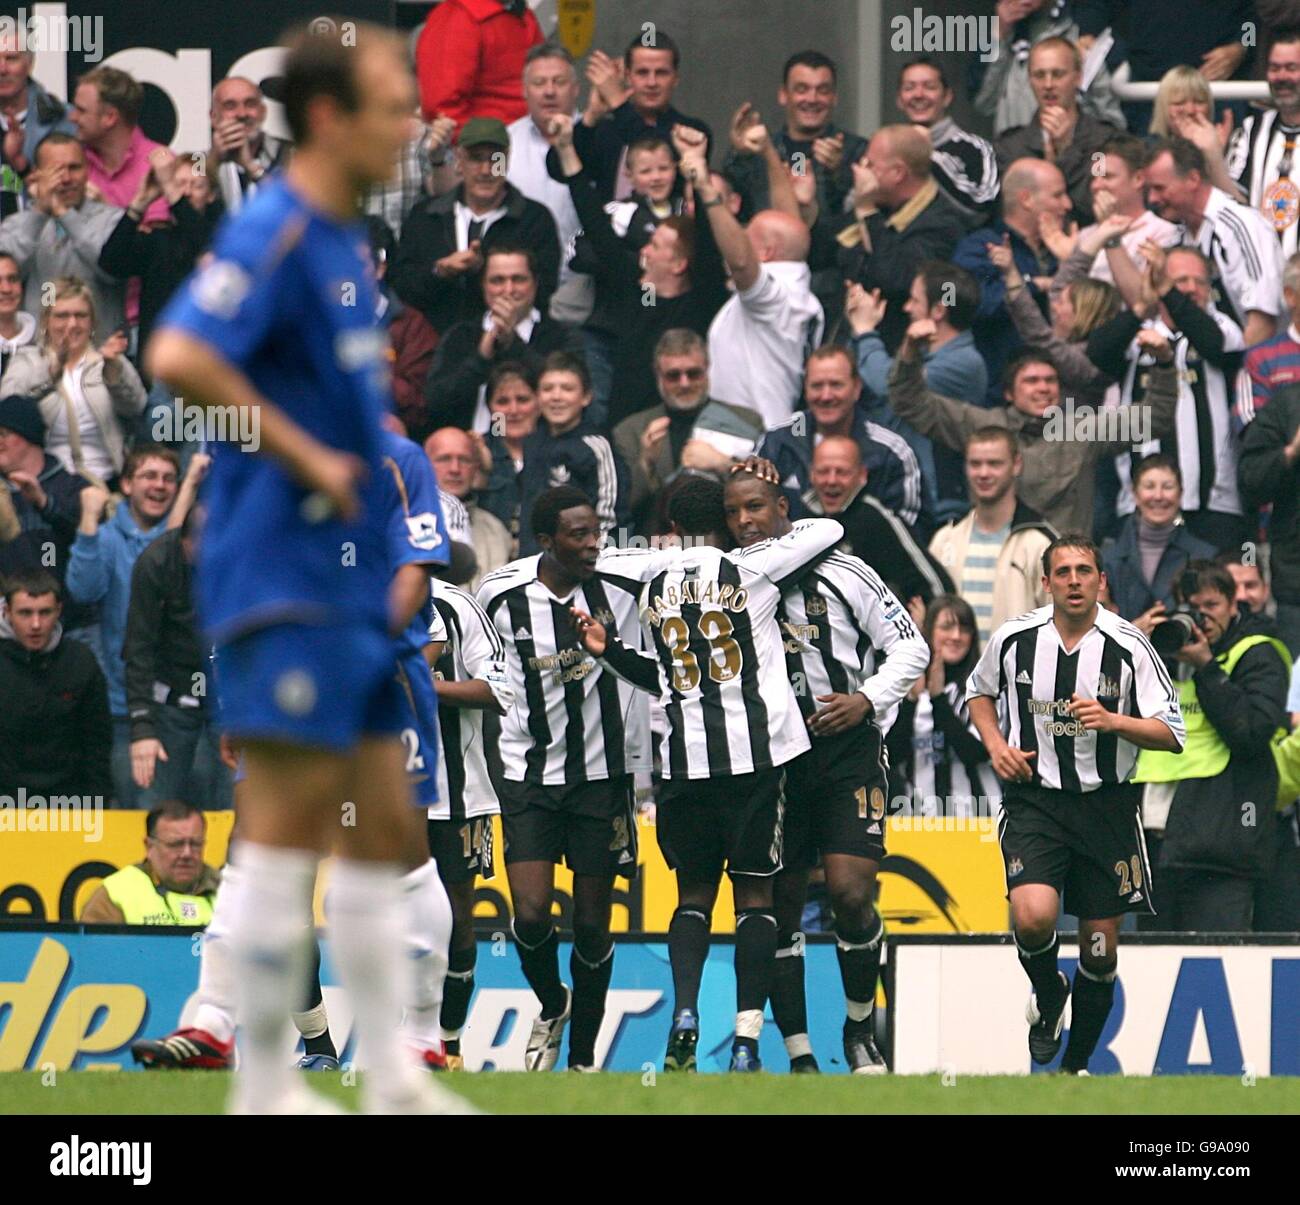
x=1079 y=306
x=1184 y=108
x=89 y=397
x=1184 y=92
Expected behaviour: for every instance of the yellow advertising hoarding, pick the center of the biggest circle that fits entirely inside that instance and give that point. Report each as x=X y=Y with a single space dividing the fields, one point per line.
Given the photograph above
x=937 y=877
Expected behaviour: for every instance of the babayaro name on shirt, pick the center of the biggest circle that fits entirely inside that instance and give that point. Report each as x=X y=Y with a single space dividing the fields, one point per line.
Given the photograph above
x=697 y=592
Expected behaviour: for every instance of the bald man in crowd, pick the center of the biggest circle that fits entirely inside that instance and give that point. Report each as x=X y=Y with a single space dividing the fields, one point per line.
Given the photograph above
x=1031 y=189
x=759 y=340
x=901 y=219
x=454 y=454
x=242 y=150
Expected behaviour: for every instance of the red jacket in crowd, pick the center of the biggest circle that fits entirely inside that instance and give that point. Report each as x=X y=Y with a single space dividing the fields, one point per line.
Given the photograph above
x=470 y=60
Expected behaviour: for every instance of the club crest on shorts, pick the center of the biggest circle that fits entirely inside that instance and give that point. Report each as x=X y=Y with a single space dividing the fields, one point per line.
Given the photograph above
x=295 y=692
x=1015 y=867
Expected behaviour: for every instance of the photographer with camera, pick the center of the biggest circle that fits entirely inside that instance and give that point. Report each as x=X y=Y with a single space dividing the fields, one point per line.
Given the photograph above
x=1208 y=813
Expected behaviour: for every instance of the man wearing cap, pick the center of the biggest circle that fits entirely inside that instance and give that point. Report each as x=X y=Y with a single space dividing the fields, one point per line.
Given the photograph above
x=40 y=501
x=439 y=263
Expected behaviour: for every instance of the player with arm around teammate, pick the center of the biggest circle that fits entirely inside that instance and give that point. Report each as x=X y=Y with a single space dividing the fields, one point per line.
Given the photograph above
x=733 y=725
x=838 y=618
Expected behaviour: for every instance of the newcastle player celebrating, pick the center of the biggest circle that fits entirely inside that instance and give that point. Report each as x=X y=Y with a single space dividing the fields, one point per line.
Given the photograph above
x=569 y=747
x=1081 y=691
x=836 y=617
x=733 y=724
x=473 y=691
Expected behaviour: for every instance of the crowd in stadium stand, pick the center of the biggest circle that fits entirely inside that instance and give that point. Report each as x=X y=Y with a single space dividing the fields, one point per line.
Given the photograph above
x=958 y=346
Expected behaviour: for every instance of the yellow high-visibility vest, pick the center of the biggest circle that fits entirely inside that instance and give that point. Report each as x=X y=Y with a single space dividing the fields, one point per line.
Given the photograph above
x=1204 y=755
x=143 y=902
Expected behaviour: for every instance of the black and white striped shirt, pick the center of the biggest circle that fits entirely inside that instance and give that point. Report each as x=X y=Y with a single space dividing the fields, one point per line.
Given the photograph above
x=1254 y=159
x=940 y=783
x=965 y=167
x=456 y=518
x=1243 y=248
x=1025 y=667
x=473 y=649
x=718 y=663
x=837 y=617
x=571 y=721
x=1202 y=441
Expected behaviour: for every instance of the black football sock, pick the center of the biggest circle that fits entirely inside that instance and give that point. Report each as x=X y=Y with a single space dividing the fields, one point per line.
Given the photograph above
x=789 y=1004
x=755 y=958
x=312 y=1022
x=1040 y=966
x=457 y=991
x=1094 y=993
x=688 y=947
x=539 y=956
x=590 y=968
x=858 y=952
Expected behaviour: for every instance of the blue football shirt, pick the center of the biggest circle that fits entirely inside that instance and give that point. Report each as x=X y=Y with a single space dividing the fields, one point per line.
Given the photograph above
x=289 y=300
x=417 y=531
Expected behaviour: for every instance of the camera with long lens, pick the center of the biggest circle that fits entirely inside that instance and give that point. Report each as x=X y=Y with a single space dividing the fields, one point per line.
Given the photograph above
x=1175 y=630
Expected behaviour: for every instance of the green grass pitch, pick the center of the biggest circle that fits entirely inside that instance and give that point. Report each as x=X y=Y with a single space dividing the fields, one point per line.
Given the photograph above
x=116 y=1092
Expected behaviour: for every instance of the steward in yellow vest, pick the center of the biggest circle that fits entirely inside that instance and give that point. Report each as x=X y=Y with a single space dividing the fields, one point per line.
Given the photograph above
x=1218 y=834
x=172 y=885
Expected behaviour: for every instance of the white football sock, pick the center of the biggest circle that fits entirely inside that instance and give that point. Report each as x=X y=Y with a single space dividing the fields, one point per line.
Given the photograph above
x=216 y=1008
x=368 y=925
x=269 y=930
x=428 y=937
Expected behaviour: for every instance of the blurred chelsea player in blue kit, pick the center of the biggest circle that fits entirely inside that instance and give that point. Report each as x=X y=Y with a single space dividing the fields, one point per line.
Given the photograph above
x=416 y=541
x=293 y=583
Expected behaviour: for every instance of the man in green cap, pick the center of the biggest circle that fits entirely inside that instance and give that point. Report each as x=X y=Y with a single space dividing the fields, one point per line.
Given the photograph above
x=438 y=267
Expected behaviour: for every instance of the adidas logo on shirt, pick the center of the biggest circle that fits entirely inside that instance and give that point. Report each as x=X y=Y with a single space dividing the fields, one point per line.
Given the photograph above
x=522 y=633
x=1023 y=679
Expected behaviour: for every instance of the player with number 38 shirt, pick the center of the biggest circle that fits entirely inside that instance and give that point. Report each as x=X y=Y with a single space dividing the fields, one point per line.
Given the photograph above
x=733 y=724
